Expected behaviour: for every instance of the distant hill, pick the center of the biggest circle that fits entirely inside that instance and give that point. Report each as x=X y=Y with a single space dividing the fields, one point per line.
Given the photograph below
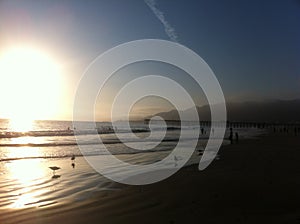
x=267 y=111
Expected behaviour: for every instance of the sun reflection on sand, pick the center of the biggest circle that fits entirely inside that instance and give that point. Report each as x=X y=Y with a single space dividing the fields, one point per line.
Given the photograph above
x=27 y=174
x=27 y=198
x=22 y=152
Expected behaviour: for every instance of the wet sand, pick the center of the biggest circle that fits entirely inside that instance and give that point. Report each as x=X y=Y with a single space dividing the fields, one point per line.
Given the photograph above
x=254 y=181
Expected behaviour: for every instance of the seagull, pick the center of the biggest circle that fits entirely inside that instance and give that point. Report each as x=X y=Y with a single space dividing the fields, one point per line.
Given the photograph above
x=54 y=168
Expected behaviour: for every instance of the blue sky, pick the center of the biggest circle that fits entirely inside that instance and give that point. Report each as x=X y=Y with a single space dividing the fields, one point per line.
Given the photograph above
x=253 y=46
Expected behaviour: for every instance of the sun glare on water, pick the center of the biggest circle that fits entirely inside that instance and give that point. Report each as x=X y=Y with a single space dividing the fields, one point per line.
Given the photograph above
x=30 y=86
x=21 y=124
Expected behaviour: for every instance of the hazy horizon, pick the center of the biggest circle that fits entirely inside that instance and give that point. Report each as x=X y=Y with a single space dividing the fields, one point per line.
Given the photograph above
x=242 y=109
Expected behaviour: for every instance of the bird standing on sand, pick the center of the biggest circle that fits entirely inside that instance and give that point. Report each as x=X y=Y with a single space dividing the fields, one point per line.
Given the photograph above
x=54 y=168
x=73 y=157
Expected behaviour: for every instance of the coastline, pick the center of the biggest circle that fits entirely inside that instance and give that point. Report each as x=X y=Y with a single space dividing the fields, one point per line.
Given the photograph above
x=254 y=181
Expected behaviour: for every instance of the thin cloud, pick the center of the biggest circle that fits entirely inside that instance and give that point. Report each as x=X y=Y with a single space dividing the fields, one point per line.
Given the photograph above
x=170 y=31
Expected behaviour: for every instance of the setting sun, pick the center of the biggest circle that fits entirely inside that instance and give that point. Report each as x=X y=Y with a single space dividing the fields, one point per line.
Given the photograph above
x=30 y=84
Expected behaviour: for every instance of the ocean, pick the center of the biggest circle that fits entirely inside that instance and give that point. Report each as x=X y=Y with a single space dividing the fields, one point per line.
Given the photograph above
x=27 y=152
x=55 y=139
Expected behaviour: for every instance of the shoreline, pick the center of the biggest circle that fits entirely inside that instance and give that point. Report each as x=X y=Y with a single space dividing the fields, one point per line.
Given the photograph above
x=255 y=181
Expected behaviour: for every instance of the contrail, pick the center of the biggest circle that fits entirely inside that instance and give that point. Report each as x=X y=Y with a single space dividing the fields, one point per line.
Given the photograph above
x=170 y=31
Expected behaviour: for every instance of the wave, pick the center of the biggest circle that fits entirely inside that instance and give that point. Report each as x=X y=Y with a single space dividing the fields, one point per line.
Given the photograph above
x=51 y=133
x=57 y=144
x=70 y=155
x=39 y=157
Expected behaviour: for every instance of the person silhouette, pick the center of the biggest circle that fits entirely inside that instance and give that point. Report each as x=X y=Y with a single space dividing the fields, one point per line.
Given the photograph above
x=236 y=137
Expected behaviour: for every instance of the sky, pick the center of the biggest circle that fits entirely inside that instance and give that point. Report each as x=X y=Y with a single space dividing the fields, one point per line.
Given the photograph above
x=252 y=47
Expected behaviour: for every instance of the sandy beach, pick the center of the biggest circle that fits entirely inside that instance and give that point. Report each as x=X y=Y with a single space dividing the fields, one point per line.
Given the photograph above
x=254 y=181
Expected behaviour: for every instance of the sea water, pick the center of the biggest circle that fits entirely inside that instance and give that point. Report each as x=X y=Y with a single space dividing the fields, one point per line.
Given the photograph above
x=27 y=153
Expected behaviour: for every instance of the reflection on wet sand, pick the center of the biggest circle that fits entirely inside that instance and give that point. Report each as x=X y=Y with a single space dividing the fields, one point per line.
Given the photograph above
x=26 y=174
